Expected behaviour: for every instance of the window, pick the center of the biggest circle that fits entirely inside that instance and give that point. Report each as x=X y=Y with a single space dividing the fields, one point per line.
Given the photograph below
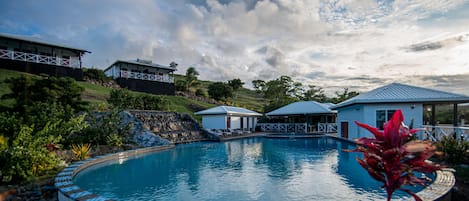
x=382 y=116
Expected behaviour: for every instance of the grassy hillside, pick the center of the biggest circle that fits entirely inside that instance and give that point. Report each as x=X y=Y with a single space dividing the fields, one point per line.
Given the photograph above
x=243 y=97
x=96 y=94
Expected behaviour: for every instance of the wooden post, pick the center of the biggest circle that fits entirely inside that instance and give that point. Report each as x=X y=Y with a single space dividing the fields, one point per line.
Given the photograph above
x=455 y=114
x=432 y=119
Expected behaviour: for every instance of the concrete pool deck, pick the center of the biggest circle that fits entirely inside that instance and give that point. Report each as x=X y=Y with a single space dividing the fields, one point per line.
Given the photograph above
x=440 y=189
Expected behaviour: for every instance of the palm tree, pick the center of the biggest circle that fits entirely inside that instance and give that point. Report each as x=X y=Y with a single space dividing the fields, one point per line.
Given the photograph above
x=191 y=78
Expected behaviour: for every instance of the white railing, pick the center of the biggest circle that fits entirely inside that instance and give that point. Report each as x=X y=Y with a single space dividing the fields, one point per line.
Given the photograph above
x=298 y=127
x=436 y=133
x=73 y=62
x=327 y=127
x=146 y=76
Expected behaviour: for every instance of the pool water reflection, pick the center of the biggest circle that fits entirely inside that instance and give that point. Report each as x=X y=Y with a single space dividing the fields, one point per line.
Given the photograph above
x=246 y=169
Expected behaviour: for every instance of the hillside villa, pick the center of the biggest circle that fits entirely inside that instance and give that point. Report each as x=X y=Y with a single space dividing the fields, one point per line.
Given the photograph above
x=143 y=75
x=32 y=55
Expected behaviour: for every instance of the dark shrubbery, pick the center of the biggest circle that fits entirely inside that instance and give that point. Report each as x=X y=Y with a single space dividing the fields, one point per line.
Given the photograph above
x=96 y=74
x=454 y=151
x=43 y=111
x=220 y=91
x=124 y=99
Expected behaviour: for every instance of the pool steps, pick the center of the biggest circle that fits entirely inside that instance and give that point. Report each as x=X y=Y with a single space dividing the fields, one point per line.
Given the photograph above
x=68 y=191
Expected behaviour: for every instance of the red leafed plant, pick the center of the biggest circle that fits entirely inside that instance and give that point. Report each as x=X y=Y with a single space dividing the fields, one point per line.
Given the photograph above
x=392 y=158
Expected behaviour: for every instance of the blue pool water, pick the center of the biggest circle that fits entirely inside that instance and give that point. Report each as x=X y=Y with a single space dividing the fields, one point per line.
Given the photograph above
x=249 y=169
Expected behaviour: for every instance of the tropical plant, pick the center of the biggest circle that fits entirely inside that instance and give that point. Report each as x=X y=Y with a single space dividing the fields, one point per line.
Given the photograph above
x=393 y=158
x=81 y=151
x=114 y=140
x=191 y=78
x=454 y=151
x=27 y=156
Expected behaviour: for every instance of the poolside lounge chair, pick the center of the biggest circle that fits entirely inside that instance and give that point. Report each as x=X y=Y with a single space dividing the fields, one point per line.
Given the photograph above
x=236 y=131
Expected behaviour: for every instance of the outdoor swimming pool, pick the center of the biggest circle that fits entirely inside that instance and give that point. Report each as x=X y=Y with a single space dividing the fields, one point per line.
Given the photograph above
x=246 y=169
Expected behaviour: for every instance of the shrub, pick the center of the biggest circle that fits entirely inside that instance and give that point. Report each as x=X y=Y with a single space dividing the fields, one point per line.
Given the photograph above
x=28 y=157
x=114 y=140
x=124 y=99
x=220 y=91
x=96 y=74
x=454 y=151
x=81 y=151
x=27 y=90
x=180 y=85
x=201 y=93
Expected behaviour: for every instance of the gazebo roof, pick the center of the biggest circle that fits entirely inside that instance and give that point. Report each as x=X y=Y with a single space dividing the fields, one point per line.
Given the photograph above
x=401 y=93
x=228 y=110
x=303 y=108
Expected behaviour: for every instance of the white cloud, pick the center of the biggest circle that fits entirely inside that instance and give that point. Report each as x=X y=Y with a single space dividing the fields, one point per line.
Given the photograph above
x=329 y=43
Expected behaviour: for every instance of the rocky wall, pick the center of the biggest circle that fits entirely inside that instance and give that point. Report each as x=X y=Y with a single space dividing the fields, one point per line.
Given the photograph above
x=174 y=127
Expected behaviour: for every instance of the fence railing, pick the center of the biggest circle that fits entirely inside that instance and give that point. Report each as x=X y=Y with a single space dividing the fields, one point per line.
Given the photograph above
x=327 y=127
x=436 y=133
x=73 y=62
x=298 y=127
x=146 y=76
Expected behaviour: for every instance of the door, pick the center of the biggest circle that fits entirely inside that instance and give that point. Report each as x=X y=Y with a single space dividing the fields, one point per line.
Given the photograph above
x=344 y=129
x=228 y=122
x=241 y=122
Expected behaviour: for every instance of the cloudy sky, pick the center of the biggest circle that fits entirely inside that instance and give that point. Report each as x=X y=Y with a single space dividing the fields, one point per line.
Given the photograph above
x=358 y=44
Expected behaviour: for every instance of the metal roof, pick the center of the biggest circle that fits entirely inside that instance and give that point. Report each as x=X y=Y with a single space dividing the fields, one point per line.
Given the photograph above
x=36 y=40
x=303 y=108
x=401 y=93
x=230 y=110
x=140 y=62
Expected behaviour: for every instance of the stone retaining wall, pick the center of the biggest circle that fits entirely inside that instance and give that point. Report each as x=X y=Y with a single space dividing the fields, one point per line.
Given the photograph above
x=174 y=127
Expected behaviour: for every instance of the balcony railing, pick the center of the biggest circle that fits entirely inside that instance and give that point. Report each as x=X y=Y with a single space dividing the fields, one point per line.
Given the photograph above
x=298 y=127
x=147 y=76
x=73 y=62
x=436 y=133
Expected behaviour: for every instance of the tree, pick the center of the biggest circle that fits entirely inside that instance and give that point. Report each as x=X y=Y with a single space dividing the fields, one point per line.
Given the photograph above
x=25 y=90
x=235 y=84
x=220 y=91
x=259 y=86
x=345 y=95
x=191 y=78
x=173 y=64
x=315 y=93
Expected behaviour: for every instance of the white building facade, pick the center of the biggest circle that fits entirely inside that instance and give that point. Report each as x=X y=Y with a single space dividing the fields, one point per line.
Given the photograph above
x=228 y=117
x=377 y=107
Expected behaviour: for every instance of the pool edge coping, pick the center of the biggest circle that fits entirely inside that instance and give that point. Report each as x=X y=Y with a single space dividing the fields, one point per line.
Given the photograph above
x=67 y=190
